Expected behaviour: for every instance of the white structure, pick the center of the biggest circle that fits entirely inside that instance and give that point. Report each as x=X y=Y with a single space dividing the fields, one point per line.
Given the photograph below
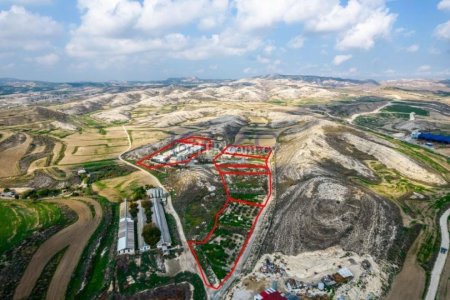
x=142 y=220
x=345 y=273
x=166 y=242
x=158 y=196
x=156 y=193
x=125 y=242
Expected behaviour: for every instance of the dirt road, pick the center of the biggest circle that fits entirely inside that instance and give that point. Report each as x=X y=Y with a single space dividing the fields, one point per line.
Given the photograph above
x=75 y=237
x=354 y=116
x=410 y=282
x=440 y=260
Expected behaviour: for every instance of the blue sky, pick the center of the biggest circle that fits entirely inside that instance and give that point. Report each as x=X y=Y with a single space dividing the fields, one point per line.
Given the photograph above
x=62 y=40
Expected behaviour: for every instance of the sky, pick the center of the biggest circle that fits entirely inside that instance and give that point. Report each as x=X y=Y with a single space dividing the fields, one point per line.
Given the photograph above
x=101 y=40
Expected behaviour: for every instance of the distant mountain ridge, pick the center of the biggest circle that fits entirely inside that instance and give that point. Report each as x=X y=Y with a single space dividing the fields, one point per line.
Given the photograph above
x=318 y=79
x=182 y=80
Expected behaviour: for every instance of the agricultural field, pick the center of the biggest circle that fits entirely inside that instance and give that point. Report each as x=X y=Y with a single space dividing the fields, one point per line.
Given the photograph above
x=406 y=109
x=93 y=144
x=117 y=188
x=20 y=219
x=12 y=149
x=248 y=189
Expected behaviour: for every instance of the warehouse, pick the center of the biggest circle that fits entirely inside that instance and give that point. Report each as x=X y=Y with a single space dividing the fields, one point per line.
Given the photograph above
x=125 y=242
x=141 y=221
x=166 y=242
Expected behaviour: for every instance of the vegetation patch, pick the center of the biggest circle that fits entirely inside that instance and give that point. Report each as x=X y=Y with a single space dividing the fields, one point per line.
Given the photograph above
x=95 y=268
x=406 y=109
x=43 y=282
x=20 y=219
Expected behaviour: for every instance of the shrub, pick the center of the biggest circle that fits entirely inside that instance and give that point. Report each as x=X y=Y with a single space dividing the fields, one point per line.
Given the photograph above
x=151 y=234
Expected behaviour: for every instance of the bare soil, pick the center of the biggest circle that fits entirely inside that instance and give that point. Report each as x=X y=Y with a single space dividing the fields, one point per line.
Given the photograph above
x=410 y=282
x=13 y=152
x=75 y=237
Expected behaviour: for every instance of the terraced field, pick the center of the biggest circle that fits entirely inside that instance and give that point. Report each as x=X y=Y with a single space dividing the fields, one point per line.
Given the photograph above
x=19 y=219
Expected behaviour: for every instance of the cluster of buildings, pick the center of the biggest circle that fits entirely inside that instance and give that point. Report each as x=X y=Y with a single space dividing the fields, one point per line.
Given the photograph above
x=296 y=289
x=126 y=234
x=270 y=267
x=180 y=153
x=343 y=275
x=8 y=194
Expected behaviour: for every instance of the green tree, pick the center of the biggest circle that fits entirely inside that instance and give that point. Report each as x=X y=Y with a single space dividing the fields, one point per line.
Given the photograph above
x=147 y=206
x=133 y=209
x=151 y=234
x=138 y=193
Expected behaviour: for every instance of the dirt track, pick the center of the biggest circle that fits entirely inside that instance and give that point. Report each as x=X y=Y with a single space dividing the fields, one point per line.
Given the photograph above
x=75 y=236
x=410 y=282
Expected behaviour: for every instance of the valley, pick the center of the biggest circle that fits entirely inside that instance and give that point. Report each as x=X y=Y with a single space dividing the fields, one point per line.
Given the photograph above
x=268 y=180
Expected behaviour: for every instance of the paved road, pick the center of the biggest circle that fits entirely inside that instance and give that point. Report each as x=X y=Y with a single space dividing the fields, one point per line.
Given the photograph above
x=440 y=260
x=186 y=259
x=75 y=237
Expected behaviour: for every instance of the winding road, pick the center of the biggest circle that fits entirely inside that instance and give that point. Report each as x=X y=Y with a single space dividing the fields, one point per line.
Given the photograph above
x=74 y=237
x=354 y=116
x=441 y=258
x=186 y=259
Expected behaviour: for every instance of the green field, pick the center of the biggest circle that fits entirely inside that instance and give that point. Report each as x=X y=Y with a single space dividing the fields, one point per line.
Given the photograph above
x=19 y=219
x=399 y=108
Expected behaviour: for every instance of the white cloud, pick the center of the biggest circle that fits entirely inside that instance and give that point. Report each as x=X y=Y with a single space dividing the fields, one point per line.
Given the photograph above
x=124 y=27
x=296 y=42
x=359 y=23
x=47 y=60
x=405 y=32
x=444 y=5
x=352 y=71
x=364 y=34
x=21 y=29
x=413 y=48
x=424 y=68
x=223 y=44
x=268 y=49
x=340 y=59
x=442 y=31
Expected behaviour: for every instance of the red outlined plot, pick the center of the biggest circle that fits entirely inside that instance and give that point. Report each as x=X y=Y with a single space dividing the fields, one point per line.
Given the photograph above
x=235 y=164
x=178 y=152
x=247 y=180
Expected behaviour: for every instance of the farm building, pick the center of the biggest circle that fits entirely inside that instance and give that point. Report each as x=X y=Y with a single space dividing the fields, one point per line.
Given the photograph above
x=431 y=137
x=125 y=242
x=142 y=220
x=270 y=294
x=158 y=210
x=156 y=193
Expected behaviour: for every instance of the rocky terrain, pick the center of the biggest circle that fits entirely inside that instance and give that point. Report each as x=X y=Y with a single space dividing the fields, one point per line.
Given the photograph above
x=338 y=184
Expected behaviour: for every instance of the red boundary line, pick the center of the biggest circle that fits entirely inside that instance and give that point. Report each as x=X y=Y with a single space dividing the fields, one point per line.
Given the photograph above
x=229 y=199
x=206 y=147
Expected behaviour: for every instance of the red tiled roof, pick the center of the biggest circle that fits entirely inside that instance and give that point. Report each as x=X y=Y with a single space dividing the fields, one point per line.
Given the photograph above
x=272 y=295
